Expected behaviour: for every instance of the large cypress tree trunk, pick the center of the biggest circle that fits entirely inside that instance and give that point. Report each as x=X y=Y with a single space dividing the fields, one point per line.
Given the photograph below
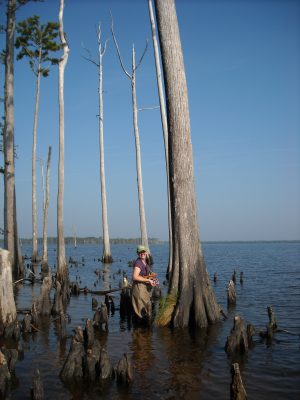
x=10 y=217
x=189 y=282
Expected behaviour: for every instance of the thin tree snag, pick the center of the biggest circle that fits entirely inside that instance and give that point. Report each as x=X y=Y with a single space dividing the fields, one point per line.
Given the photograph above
x=231 y=294
x=241 y=277
x=237 y=342
x=237 y=390
x=8 y=312
x=271 y=326
x=233 y=278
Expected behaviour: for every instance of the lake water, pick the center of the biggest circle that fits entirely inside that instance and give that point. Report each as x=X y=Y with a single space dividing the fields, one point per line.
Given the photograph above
x=180 y=364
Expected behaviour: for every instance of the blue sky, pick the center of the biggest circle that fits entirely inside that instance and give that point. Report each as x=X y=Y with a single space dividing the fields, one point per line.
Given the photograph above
x=242 y=61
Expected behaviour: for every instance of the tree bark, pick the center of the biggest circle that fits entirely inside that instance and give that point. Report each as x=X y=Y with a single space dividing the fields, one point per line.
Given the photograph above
x=106 y=256
x=189 y=282
x=46 y=207
x=62 y=270
x=8 y=312
x=10 y=217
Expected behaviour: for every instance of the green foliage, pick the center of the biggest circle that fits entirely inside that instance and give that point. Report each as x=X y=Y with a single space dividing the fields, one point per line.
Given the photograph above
x=37 y=42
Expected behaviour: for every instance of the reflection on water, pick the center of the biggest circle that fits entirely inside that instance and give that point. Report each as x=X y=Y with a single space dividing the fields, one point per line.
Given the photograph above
x=183 y=363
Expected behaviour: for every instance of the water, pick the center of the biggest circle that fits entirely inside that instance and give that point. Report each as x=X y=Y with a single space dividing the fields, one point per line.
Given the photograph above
x=180 y=364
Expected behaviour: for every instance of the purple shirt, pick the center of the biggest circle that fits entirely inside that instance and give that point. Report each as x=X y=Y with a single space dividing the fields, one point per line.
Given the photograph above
x=144 y=268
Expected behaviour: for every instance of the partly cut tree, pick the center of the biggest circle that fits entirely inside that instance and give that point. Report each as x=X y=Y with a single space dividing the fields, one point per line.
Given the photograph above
x=106 y=256
x=62 y=268
x=192 y=300
x=37 y=42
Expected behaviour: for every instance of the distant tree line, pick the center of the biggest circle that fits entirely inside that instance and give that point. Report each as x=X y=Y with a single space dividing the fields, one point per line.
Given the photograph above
x=90 y=240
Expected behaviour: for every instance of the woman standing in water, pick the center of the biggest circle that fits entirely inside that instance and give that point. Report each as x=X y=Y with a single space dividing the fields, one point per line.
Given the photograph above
x=142 y=284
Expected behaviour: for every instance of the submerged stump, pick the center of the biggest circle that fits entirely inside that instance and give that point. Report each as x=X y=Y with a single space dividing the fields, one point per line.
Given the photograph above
x=123 y=371
x=237 y=342
x=231 y=294
x=37 y=390
x=237 y=390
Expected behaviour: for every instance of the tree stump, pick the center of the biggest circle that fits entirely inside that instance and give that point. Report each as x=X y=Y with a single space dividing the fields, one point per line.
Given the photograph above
x=101 y=318
x=110 y=304
x=26 y=324
x=237 y=390
x=58 y=307
x=123 y=371
x=241 y=277
x=125 y=302
x=233 y=278
x=250 y=333
x=75 y=290
x=231 y=294
x=237 y=342
x=5 y=376
x=105 y=366
x=73 y=366
x=11 y=356
x=43 y=304
x=37 y=391
x=89 y=334
x=272 y=319
x=215 y=277
x=8 y=312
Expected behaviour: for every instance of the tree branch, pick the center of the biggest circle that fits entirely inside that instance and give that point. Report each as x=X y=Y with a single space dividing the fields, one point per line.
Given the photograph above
x=117 y=47
x=144 y=52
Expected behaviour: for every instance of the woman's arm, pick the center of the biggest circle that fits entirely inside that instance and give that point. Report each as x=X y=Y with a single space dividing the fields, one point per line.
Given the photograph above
x=139 y=278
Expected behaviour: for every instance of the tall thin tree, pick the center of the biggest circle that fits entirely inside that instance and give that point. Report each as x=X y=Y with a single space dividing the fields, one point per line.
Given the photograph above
x=106 y=256
x=189 y=284
x=62 y=270
x=46 y=198
x=164 y=122
x=37 y=42
x=132 y=78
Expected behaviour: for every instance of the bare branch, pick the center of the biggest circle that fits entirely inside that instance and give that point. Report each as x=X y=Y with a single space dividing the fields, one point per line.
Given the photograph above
x=147 y=108
x=117 y=47
x=144 y=52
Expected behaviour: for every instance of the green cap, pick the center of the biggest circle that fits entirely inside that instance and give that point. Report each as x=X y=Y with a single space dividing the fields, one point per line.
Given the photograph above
x=141 y=248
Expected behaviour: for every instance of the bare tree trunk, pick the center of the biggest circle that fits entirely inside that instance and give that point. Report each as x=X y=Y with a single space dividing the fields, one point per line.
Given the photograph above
x=106 y=256
x=46 y=206
x=143 y=227
x=164 y=124
x=34 y=256
x=19 y=269
x=61 y=255
x=8 y=312
x=8 y=139
x=189 y=282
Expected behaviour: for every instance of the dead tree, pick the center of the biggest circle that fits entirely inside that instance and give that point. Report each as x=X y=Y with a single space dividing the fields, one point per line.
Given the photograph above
x=237 y=342
x=237 y=390
x=231 y=294
x=132 y=78
x=8 y=312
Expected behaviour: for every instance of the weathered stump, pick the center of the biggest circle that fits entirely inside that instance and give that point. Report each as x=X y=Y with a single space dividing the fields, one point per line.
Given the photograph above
x=231 y=294
x=94 y=303
x=8 y=312
x=5 y=377
x=237 y=390
x=215 y=277
x=237 y=342
x=37 y=390
x=72 y=368
x=250 y=333
x=241 y=277
x=89 y=334
x=233 y=278
x=11 y=356
x=75 y=290
x=109 y=304
x=58 y=307
x=26 y=324
x=105 y=366
x=101 y=318
x=91 y=362
x=123 y=371
x=43 y=303
x=125 y=302
x=271 y=326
